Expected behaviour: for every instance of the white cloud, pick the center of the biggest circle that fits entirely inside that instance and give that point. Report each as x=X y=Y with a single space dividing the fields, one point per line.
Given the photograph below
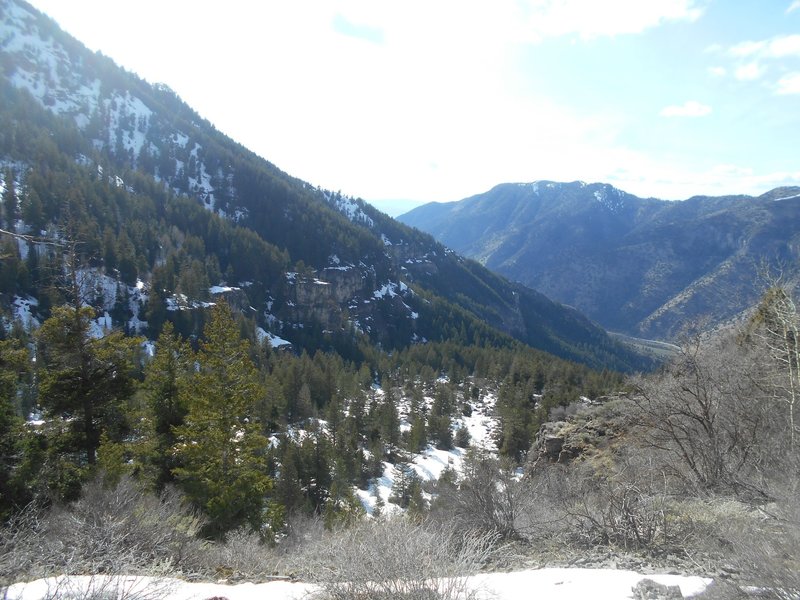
x=678 y=182
x=754 y=58
x=590 y=19
x=439 y=88
x=718 y=71
x=793 y=6
x=789 y=84
x=690 y=108
x=729 y=178
x=748 y=71
x=781 y=46
x=745 y=49
x=514 y=21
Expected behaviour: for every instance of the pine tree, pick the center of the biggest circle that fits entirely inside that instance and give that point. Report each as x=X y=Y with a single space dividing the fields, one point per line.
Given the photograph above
x=288 y=489
x=388 y=420
x=13 y=366
x=165 y=408
x=439 y=422
x=380 y=506
x=317 y=468
x=222 y=450
x=407 y=486
x=9 y=198
x=85 y=381
x=463 y=437
x=417 y=435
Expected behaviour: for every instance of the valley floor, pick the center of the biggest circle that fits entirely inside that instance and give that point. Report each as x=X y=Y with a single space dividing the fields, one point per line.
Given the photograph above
x=542 y=584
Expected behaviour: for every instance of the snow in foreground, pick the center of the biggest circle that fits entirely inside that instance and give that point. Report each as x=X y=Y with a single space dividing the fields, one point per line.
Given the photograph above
x=541 y=584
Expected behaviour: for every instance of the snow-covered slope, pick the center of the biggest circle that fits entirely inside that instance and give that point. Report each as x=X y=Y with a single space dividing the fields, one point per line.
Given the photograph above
x=431 y=463
x=541 y=584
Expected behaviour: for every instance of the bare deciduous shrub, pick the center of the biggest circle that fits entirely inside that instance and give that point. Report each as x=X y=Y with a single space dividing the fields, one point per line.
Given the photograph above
x=120 y=530
x=722 y=417
x=624 y=504
x=776 y=325
x=490 y=497
x=243 y=554
x=764 y=549
x=706 y=413
x=396 y=559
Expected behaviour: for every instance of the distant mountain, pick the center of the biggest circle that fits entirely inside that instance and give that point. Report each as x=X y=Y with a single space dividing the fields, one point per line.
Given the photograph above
x=640 y=266
x=171 y=209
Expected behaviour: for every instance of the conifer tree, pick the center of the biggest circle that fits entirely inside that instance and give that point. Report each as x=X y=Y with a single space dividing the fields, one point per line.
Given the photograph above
x=407 y=486
x=439 y=422
x=10 y=205
x=388 y=420
x=84 y=380
x=165 y=407
x=317 y=468
x=288 y=489
x=379 y=506
x=13 y=365
x=222 y=450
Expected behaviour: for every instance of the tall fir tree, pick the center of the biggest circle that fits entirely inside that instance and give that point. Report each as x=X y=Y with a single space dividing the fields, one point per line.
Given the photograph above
x=220 y=445
x=10 y=203
x=85 y=381
x=14 y=363
x=164 y=407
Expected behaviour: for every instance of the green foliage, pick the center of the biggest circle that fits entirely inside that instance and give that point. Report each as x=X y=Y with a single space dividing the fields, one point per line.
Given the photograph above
x=407 y=487
x=220 y=446
x=462 y=438
x=152 y=227
x=163 y=409
x=439 y=421
x=85 y=382
x=13 y=366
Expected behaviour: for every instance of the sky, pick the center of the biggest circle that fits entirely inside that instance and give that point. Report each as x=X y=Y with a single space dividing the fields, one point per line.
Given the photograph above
x=402 y=103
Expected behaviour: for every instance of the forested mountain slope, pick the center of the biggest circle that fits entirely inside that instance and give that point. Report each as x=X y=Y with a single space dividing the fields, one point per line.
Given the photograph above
x=153 y=193
x=641 y=266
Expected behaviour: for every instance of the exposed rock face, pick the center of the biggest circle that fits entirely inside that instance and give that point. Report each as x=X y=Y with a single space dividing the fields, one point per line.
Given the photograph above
x=344 y=282
x=553 y=446
x=343 y=298
x=647 y=589
x=315 y=300
x=593 y=427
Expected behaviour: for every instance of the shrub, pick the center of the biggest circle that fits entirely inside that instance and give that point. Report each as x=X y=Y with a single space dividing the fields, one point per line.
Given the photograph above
x=119 y=530
x=396 y=559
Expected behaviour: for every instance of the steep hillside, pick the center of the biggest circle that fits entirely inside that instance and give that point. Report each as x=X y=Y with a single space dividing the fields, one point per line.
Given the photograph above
x=155 y=194
x=645 y=267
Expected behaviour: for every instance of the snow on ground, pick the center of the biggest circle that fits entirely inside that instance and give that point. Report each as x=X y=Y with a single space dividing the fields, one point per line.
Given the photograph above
x=541 y=584
x=22 y=312
x=222 y=289
x=349 y=207
x=787 y=197
x=432 y=462
x=274 y=340
x=100 y=327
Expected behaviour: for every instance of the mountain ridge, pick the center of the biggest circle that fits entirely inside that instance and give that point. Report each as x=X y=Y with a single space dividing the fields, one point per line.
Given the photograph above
x=112 y=133
x=641 y=266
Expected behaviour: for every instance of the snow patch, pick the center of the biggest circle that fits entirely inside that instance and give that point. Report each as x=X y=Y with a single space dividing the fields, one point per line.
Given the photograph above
x=23 y=312
x=543 y=584
x=348 y=207
x=273 y=340
x=222 y=289
x=787 y=198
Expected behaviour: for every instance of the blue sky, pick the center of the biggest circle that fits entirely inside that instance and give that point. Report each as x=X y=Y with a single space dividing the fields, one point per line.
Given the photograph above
x=421 y=101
